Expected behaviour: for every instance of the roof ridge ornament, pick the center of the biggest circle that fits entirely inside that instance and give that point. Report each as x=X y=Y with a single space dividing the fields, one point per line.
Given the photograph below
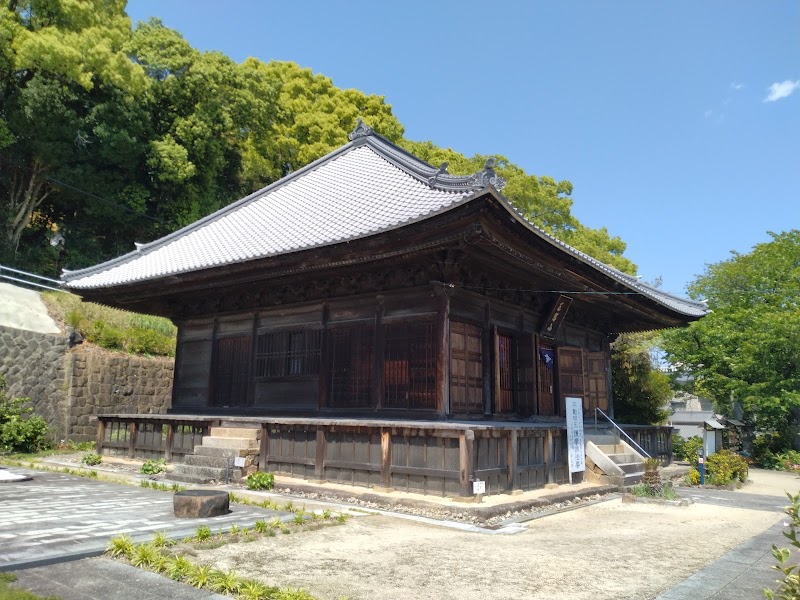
x=486 y=177
x=361 y=130
x=442 y=171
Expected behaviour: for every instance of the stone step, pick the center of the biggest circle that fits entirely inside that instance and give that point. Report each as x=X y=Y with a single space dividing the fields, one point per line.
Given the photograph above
x=223 y=452
x=632 y=467
x=188 y=478
x=233 y=443
x=609 y=448
x=217 y=474
x=235 y=432
x=633 y=478
x=624 y=458
x=201 y=460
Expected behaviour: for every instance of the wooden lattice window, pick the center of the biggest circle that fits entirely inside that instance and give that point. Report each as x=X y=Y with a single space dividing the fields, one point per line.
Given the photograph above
x=288 y=354
x=351 y=366
x=409 y=366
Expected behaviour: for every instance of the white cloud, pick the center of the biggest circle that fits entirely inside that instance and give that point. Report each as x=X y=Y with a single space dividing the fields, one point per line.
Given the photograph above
x=708 y=113
x=781 y=90
x=736 y=86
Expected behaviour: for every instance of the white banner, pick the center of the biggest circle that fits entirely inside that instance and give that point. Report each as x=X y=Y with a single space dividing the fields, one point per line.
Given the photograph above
x=577 y=451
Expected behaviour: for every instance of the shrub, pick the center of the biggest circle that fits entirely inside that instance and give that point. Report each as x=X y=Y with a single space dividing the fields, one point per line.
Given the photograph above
x=690 y=450
x=693 y=477
x=91 y=459
x=789 y=588
x=725 y=467
x=20 y=429
x=260 y=480
x=788 y=460
x=154 y=467
x=767 y=447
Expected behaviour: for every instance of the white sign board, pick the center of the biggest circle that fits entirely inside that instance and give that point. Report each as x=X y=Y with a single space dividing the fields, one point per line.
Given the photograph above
x=238 y=461
x=478 y=487
x=577 y=451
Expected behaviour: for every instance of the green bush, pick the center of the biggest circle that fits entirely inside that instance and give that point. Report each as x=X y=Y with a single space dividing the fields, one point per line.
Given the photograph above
x=690 y=450
x=788 y=460
x=789 y=588
x=766 y=450
x=92 y=459
x=260 y=480
x=20 y=429
x=692 y=477
x=154 y=467
x=725 y=467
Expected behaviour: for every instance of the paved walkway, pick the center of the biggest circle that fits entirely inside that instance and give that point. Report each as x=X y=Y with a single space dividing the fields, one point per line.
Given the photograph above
x=56 y=517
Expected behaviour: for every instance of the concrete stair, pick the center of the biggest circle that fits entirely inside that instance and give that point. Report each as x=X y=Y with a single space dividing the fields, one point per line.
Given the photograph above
x=210 y=461
x=617 y=463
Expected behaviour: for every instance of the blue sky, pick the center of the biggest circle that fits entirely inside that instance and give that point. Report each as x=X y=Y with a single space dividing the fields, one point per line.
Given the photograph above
x=677 y=122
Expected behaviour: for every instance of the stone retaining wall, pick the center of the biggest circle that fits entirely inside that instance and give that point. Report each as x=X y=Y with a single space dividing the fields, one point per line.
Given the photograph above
x=68 y=386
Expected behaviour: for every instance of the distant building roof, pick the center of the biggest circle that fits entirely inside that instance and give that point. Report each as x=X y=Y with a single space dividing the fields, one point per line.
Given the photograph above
x=363 y=188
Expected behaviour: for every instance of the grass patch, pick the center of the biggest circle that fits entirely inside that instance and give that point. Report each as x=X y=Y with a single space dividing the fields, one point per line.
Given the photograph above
x=10 y=593
x=112 y=328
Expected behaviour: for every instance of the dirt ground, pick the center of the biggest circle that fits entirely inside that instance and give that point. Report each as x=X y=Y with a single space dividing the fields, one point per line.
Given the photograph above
x=609 y=550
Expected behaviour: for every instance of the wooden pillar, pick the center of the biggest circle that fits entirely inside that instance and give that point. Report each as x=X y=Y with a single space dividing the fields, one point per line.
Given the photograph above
x=386 y=459
x=513 y=452
x=548 y=456
x=251 y=367
x=326 y=354
x=132 y=439
x=319 y=459
x=442 y=334
x=263 y=453
x=377 y=358
x=101 y=435
x=466 y=442
x=488 y=361
x=170 y=441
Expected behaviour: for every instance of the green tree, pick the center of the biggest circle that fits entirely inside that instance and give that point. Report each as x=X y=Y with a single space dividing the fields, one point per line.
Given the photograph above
x=641 y=391
x=54 y=58
x=747 y=351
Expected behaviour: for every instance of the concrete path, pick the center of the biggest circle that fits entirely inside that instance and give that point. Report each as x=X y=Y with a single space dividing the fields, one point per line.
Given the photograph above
x=56 y=517
x=744 y=572
x=23 y=309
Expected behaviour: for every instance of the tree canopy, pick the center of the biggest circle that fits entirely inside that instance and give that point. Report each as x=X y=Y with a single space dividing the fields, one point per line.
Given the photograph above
x=111 y=134
x=747 y=351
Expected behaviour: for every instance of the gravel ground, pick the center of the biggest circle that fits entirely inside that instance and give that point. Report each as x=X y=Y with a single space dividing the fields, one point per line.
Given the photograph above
x=607 y=550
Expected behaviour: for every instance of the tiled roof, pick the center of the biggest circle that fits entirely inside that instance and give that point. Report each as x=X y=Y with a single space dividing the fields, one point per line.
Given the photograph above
x=365 y=187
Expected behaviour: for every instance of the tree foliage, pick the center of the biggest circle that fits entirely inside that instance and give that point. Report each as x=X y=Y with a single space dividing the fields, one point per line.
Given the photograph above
x=111 y=134
x=641 y=391
x=747 y=351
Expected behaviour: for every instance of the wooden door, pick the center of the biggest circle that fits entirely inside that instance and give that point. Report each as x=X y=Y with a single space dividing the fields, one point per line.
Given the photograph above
x=597 y=379
x=571 y=375
x=545 y=371
x=503 y=373
x=231 y=370
x=526 y=375
x=466 y=368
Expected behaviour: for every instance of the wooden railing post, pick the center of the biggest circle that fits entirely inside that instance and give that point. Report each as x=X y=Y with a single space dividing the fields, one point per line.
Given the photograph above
x=170 y=441
x=132 y=438
x=101 y=435
x=319 y=459
x=466 y=442
x=548 y=456
x=513 y=451
x=263 y=454
x=386 y=459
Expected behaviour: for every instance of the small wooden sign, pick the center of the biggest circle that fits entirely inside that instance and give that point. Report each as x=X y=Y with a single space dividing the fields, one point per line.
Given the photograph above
x=556 y=317
x=478 y=487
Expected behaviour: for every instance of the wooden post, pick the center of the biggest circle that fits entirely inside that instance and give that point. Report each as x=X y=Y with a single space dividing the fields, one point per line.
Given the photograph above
x=263 y=453
x=488 y=361
x=513 y=451
x=101 y=435
x=377 y=357
x=132 y=439
x=386 y=459
x=442 y=333
x=466 y=440
x=319 y=459
x=326 y=352
x=169 y=442
x=548 y=456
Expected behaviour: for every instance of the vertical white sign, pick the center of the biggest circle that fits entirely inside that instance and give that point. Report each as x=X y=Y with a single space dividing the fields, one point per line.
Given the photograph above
x=577 y=451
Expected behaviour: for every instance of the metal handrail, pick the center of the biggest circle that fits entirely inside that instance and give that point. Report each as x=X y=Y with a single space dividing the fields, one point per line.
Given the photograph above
x=31 y=275
x=610 y=420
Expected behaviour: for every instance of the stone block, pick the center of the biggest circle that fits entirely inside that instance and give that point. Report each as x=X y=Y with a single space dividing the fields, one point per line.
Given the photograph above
x=194 y=504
